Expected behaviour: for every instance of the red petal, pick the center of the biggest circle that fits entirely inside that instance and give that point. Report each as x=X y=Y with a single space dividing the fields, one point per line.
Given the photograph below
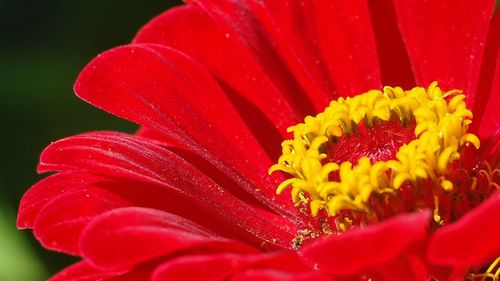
x=490 y=64
x=293 y=31
x=155 y=136
x=134 y=275
x=327 y=50
x=489 y=125
x=445 y=40
x=276 y=275
x=59 y=223
x=347 y=42
x=408 y=267
x=491 y=152
x=82 y=271
x=435 y=272
x=126 y=157
x=232 y=63
x=216 y=112
x=164 y=90
x=238 y=21
x=363 y=248
x=394 y=61
x=222 y=266
x=45 y=190
x=472 y=240
x=201 y=164
x=125 y=237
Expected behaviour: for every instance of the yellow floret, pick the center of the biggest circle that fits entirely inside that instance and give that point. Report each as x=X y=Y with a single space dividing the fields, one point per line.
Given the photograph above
x=441 y=131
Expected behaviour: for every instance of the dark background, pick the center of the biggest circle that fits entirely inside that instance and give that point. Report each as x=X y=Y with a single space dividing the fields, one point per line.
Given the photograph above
x=43 y=46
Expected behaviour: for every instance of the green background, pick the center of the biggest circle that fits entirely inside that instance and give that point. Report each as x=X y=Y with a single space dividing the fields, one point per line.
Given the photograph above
x=43 y=46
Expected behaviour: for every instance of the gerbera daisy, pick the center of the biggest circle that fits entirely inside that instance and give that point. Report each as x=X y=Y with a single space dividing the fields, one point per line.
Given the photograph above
x=370 y=182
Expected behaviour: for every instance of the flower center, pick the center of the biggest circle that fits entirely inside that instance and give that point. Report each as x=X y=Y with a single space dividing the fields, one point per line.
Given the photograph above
x=380 y=153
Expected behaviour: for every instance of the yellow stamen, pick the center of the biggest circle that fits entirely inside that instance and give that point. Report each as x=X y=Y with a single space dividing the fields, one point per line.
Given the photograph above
x=441 y=119
x=437 y=217
x=489 y=174
x=492 y=267
x=492 y=273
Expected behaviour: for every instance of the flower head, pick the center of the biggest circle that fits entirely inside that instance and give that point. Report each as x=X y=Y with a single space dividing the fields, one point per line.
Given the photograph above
x=386 y=183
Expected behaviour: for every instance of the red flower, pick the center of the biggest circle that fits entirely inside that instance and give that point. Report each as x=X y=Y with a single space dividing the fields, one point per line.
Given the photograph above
x=214 y=86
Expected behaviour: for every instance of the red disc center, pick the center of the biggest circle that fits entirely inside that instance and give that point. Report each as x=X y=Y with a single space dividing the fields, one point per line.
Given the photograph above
x=379 y=142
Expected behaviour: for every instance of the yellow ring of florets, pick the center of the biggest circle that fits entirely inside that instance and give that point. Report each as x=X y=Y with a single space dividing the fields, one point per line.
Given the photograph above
x=441 y=129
